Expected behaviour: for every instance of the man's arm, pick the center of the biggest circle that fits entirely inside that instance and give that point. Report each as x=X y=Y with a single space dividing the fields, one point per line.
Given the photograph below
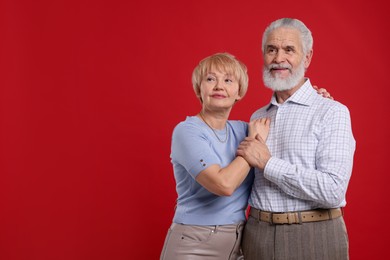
x=327 y=183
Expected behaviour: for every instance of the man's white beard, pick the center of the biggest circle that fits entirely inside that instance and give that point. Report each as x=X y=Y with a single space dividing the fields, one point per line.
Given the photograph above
x=278 y=84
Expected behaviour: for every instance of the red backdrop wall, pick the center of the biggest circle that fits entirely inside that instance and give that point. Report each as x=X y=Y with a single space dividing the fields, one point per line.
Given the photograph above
x=90 y=92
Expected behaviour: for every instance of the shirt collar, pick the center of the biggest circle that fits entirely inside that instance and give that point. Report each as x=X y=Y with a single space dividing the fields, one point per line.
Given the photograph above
x=303 y=96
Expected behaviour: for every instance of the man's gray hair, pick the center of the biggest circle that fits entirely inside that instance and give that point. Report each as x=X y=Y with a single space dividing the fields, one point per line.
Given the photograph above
x=307 y=38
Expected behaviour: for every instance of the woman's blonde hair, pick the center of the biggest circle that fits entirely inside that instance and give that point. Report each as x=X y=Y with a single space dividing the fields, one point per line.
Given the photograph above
x=223 y=62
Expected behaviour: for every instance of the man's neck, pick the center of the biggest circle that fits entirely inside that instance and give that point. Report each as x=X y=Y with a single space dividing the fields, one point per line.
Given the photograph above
x=282 y=96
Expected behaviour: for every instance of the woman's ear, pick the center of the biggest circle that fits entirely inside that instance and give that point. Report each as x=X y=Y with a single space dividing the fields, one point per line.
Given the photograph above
x=199 y=96
x=238 y=98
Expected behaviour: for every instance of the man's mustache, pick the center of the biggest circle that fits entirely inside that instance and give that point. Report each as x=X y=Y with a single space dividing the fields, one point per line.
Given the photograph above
x=279 y=66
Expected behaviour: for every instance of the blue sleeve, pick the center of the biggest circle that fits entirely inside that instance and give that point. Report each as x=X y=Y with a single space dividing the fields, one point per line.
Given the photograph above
x=192 y=149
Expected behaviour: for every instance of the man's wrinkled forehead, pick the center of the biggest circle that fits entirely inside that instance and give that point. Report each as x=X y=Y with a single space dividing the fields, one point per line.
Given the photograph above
x=284 y=37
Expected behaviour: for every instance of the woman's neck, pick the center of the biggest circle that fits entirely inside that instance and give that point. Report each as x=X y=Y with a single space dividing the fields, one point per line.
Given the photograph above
x=214 y=120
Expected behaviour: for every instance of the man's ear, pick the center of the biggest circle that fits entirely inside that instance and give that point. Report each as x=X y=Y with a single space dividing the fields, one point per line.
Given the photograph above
x=308 y=57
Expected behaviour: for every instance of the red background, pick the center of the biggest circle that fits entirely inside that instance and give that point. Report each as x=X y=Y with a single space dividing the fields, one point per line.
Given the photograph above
x=90 y=92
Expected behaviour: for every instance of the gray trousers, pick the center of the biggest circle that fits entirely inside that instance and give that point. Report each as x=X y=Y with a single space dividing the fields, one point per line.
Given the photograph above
x=322 y=240
x=186 y=242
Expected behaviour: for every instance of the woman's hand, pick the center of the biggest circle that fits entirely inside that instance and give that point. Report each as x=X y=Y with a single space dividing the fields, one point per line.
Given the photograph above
x=259 y=127
x=323 y=92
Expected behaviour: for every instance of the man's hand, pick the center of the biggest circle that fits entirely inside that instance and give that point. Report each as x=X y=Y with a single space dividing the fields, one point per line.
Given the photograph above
x=254 y=151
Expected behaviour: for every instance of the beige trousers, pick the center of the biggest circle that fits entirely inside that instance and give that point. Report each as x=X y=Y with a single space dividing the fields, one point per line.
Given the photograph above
x=187 y=242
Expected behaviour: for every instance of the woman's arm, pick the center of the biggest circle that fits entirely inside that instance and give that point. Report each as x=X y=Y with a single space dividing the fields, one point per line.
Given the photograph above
x=224 y=181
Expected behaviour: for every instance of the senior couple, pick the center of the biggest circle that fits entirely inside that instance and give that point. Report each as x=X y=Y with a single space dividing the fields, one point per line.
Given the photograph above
x=292 y=161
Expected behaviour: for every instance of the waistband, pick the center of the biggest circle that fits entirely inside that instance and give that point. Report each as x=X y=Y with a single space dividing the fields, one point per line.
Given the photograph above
x=214 y=228
x=296 y=217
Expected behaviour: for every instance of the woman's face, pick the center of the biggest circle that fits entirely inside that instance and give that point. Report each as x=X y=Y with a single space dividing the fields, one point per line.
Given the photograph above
x=219 y=90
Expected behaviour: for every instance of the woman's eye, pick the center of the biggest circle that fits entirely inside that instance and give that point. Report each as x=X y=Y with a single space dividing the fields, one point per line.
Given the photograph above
x=228 y=80
x=210 y=79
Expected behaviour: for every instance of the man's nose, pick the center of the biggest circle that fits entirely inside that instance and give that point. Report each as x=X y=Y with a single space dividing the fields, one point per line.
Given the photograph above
x=279 y=57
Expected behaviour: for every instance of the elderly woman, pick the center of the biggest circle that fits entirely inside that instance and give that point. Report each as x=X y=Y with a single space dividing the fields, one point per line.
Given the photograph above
x=212 y=183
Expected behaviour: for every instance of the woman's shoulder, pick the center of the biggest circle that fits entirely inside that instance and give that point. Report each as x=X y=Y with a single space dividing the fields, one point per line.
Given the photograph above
x=238 y=125
x=195 y=123
x=191 y=122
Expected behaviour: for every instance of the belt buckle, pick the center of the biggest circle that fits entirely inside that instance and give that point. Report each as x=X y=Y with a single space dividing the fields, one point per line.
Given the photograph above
x=258 y=215
x=294 y=217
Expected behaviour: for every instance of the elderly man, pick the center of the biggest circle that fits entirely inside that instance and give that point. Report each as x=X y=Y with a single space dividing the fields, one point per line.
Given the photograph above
x=304 y=167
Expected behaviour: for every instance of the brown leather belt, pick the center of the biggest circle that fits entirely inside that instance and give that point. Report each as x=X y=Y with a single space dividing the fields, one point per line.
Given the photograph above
x=296 y=217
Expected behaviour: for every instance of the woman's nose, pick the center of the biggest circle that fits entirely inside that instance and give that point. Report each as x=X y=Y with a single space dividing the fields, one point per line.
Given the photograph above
x=218 y=84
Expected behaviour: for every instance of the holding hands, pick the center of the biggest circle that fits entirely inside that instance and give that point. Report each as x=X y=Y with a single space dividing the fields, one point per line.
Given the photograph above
x=253 y=149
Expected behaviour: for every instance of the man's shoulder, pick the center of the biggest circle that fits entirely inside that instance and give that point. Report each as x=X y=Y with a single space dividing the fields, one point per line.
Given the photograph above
x=328 y=110
x=329 y=104
x=261 y=112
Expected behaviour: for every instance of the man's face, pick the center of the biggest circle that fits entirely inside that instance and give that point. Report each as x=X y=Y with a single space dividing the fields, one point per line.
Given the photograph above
x=284 y=60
